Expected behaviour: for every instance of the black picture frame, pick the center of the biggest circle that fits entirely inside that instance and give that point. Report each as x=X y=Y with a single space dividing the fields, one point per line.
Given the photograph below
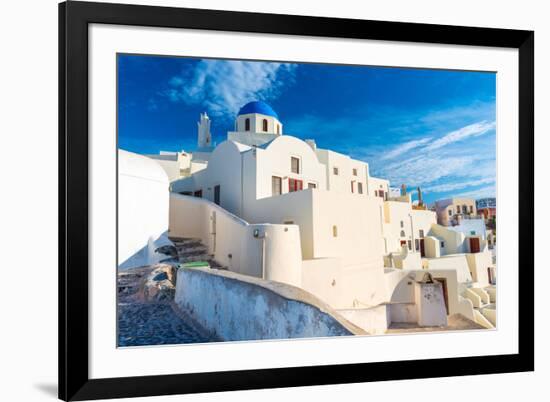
x=74 y=18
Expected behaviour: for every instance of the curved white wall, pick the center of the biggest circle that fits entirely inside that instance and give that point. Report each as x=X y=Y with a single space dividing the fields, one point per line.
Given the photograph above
x=143 y=200
x=282 y=253
x=239 y=307
x=263 y=250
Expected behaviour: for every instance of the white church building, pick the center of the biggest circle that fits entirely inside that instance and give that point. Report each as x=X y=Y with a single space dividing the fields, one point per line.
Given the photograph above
x=270 y=205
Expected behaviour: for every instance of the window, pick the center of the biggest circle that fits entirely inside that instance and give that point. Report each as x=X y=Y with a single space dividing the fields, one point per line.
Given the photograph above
x=295 y=185
x=450 y=212
x=247 y=125
x=217 y=194
x=402 y=234
x=198 y=193
x=276 y=185
x=420 y=233
x=311 y=185
x=353 y=187
x=355 y=172
x=458 y=209
x=376 y=193
x=409 y=244
x=472 y=232
x=288 y=222
x=278 y=129
x=294 y=165
x=471 y=209
x=464 y=209
x=334 y=231
x=335 y=171
x=402 y=224
x=442 y=244
x=360 y=188
x=264 y=124
x=382 y=194
x=416 y=244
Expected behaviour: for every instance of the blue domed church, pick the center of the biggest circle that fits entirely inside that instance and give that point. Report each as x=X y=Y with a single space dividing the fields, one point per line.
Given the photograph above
x=256 y=124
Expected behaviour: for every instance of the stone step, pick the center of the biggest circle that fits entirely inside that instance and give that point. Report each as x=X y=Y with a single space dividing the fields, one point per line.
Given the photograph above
x=190 y=245
x=191 y=249
x=186 y=241
x=194 y=258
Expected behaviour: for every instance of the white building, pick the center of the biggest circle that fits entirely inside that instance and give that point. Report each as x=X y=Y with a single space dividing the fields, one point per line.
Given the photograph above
x=361 y=246
x=143 y=202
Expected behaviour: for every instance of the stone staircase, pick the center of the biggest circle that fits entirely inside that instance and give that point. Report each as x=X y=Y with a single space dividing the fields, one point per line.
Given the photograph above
x=186 y=250
x=191 y=250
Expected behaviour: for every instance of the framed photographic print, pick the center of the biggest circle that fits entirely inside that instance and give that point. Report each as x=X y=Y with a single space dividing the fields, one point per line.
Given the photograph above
x=258 y=200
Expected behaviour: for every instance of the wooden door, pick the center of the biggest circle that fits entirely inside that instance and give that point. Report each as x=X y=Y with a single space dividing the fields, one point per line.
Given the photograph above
x=474 y=244
x=422 y=250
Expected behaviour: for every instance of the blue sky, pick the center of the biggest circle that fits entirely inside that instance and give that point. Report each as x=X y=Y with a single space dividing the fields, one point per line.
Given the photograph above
x=428 y=128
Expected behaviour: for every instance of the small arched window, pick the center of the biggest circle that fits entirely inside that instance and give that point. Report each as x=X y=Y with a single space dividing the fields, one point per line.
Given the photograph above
x=247 y=125
x=264 y=123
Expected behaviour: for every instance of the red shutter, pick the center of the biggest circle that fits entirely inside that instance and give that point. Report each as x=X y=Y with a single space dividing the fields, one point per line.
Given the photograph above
x=295 y=185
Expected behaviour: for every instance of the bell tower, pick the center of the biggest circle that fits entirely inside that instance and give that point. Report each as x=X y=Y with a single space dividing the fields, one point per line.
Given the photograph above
x=204 y=138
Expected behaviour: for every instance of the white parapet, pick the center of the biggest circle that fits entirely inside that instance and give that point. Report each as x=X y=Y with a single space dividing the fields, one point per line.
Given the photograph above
x=234 y=307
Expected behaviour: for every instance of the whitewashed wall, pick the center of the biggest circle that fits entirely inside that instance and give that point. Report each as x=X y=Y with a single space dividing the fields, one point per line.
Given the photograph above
x=143 y=198
x=239 y=307
x=341 y=182
x=275 y=161
x=273 y=254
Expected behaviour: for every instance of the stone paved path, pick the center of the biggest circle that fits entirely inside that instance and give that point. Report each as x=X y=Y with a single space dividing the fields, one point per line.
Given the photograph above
x=456 y=322
x=142 y=324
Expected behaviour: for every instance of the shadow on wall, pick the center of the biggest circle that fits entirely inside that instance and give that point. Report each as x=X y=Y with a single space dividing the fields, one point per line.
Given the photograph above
x=147 y=255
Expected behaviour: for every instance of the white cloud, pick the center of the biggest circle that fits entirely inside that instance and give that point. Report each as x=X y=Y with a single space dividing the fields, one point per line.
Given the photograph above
x=489 y=191
x=455 y=115
x=223 y=86
x=472 y=130
x=424 y=169
x=404 y=148
x=439 y=165
x=441 y=188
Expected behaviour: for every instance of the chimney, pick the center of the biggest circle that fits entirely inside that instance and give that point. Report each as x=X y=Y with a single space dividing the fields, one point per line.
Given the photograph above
x=420 y=202
x=312 y=144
